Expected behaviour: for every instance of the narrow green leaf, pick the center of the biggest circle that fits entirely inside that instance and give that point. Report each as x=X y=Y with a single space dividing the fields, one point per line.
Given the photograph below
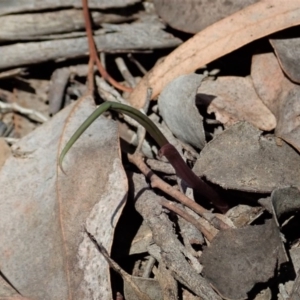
x=121 y=108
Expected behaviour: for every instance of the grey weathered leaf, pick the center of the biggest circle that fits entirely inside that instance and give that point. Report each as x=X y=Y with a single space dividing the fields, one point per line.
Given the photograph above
x=242 y=158
x=286 y=45
x=44 y=251
x=195 y=15
x=177 y=107
x=237 y=259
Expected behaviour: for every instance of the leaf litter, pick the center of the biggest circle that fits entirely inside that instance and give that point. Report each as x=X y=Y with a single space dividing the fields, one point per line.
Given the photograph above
x=53 y=225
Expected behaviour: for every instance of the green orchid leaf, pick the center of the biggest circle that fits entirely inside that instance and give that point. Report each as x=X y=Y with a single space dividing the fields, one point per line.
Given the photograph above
x=121 y=108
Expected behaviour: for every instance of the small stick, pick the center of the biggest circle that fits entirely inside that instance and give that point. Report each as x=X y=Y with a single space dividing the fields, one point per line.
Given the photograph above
x=30 y=113
x=125 y=72
x=170 y=205
x=137 y=63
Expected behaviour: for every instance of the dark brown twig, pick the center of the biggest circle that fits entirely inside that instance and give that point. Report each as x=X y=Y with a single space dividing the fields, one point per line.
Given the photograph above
x=93 y=51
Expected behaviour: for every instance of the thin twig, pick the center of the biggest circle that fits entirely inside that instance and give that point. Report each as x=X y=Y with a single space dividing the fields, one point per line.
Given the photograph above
x=90 y=79
x=93 y=50
x=137 y=63
x=189 y=218
x=156 y=182
x=30 y=113
x=125 y=72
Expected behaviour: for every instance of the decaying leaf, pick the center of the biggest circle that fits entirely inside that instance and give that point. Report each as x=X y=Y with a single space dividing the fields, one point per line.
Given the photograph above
x=236 y=100
x=253 y=22
x=286 y=45
x=44 y=251
x=280 y=95
x=237 y=259
x=195 y=15
x=241 y=158
x=177 y=106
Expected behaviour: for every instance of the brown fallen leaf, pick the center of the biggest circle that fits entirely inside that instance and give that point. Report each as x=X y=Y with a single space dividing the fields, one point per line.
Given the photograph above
x=253 y=22
x=279 y=94
x=236 y=100
x=195 y=15
x=268 y=80
x=44 y=250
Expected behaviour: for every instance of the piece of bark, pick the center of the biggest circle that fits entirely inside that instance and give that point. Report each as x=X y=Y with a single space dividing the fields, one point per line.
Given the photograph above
x=126 y=37
x=172 y=251
x=8 y=6
x=40 y=25
x=167 y=283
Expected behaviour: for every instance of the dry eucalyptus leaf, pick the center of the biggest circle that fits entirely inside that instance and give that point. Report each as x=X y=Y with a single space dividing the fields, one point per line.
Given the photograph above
x=236 y=100
x=279 y=94
x=44 y=251
x=286 y=46
x=241 y=158
x=177 y=107
x=225 y=36
x=195 y=15
x=237 y=259
x=268 y=80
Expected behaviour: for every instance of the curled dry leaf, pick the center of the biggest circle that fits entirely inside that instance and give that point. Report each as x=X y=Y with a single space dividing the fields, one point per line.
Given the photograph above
x=237 y=259
x=279 y=94
x=177 y=107
x=44 y=251
x=241 y=158
x=225 y=36
x=236 y=100
x=195 y=15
